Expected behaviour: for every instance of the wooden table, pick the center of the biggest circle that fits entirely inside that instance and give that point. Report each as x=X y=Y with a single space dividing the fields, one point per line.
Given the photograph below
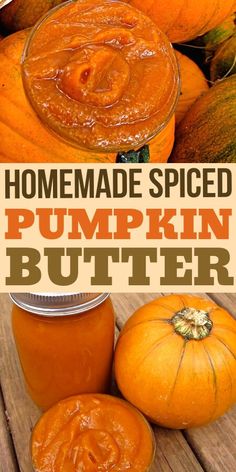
x=211 y=448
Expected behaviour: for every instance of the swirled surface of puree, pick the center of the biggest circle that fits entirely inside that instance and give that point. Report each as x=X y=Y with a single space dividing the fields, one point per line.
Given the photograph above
x=92 y=433
x=101 y=75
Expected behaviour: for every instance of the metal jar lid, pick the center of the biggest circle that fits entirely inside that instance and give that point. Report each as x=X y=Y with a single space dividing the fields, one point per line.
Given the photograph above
x=58 y=304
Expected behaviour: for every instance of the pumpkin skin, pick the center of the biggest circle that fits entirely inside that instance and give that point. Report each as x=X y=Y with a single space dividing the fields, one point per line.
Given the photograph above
x=207 y=133
x=193 y=84
x=218 y=35
x=175 y=380
x=182 y=20
x=25 y=139
x=223 y=63
x=21 y=14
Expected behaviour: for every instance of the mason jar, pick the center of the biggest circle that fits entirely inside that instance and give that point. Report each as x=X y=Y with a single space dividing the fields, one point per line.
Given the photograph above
x=65 y=343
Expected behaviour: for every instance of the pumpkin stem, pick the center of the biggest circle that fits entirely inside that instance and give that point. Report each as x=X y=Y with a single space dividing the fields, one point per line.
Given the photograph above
x=192 y=323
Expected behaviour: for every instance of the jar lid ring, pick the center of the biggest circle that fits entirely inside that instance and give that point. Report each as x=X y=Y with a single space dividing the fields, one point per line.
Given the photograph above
x=57 y=304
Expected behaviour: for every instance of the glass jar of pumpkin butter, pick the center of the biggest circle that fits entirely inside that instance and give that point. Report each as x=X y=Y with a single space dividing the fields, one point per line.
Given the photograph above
x=65 y=343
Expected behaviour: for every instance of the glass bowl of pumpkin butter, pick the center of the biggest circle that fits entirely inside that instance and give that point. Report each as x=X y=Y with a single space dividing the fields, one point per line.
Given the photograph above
x=92 y=433
x=101 y=75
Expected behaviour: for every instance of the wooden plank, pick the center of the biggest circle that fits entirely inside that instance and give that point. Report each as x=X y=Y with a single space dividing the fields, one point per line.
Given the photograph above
x=173 y=453
x=22 y=414
x=8 y=461
x=126 y=303
x=227 y=300
x=215 y=444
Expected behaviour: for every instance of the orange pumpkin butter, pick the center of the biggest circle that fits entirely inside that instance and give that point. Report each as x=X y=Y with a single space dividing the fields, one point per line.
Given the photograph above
x=92 y=433
x=100 y=74
x=176 y=361
x=65 y=355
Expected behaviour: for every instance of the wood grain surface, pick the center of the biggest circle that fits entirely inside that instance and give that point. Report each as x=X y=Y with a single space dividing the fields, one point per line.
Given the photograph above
x=210 y=449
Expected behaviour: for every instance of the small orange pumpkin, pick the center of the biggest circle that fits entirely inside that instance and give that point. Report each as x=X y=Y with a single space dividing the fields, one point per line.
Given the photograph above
x=20 y=14
x=25 y=139
x=193 y=84
x=182 y=20
x=176 y=361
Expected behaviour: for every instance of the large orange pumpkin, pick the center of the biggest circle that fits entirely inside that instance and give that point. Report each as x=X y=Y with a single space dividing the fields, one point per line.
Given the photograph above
x=182 y=20
x=25 y=139
x=207 y=132
x=176 y=361
x=193 y=84
x=20 y=14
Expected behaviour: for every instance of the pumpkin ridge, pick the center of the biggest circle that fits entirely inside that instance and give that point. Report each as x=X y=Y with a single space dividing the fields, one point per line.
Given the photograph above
x=9 y=58
x=230 y=379
x=205 y=27
x=214 y=379
x=159 y=320
x=182 y=301
x=21 y=135
x=211 y=108
x=227 y=13
x=168 y=308
x=5 y=51
x=175 y=20
x=224 y=328
x=28 y=113
x=6 y=158
x=214 y=308
x=155 y=346
x=226 y=346
x=229 y=374
x=53 y=157
x=149 y=10
x=34 y=142
x=178 y=371
x=225 y=153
